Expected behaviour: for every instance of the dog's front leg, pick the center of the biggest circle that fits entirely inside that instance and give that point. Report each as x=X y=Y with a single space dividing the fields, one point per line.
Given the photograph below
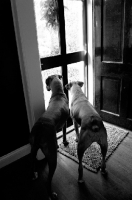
x=65 y=142
x=76 y=129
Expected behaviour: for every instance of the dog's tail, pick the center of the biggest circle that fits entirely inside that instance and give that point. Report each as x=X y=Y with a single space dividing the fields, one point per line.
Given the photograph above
x=95 y=128
x=95 y=123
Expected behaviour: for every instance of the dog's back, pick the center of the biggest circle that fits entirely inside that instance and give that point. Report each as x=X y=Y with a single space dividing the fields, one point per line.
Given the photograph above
x=58 y=110
x=84 y=112
x=51 y=120
x=92 y=128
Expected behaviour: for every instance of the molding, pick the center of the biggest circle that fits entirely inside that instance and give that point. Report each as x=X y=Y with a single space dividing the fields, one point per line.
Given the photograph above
x=26 y=36
x=15 y=155
x=26 y=87
x=90 y=37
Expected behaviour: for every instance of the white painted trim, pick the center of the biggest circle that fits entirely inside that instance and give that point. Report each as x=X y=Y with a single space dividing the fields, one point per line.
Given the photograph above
x=26 y=35
x=15 y=155
x=27 y=94
x=90 y=51
x=26 y=38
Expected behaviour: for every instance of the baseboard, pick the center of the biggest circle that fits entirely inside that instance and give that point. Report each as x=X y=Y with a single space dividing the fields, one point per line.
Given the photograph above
x=15 y=155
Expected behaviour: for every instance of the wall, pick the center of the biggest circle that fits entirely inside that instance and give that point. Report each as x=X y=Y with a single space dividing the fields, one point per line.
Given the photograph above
x=14 y=122
x=21 y=85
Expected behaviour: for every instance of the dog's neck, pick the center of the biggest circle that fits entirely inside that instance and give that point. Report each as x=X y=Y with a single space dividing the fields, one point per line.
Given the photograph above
x=76 y=93
x=56 y=87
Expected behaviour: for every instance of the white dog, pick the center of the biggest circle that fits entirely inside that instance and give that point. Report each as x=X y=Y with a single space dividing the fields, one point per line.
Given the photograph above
x=92 y=127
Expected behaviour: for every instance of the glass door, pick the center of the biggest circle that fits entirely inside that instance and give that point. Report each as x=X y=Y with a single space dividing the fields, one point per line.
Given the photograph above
x=61 y=32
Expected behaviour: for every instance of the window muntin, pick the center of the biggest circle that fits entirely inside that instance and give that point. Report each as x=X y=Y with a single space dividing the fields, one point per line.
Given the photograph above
x=70 y=59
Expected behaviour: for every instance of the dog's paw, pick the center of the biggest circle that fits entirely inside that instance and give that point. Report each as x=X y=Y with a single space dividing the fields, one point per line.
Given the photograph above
x=80 y=181
x=103 y=172
x=53 y=196
x=76 y=140
x=65 y=143
x=35 y=176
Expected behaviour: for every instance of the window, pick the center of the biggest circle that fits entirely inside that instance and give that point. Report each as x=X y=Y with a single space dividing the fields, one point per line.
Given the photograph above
x=61 y=32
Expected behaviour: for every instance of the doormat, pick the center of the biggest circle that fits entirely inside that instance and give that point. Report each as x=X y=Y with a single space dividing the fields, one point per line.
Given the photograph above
x=92 y=156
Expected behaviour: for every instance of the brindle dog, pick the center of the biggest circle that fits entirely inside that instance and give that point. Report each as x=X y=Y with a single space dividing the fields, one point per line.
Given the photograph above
x=43 y=133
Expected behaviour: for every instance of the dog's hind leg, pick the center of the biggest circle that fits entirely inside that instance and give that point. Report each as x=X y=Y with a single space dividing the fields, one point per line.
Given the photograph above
x=76 y=129
x=103 y=164
x=104 y=146
x=34 y=142
x=83 y=144
x=33 y=172
x=51 y=155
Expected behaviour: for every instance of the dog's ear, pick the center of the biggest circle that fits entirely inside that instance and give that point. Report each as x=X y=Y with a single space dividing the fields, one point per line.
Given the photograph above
x=68 y=86
x=60 y=77
x=48 y=81
x=80 y=83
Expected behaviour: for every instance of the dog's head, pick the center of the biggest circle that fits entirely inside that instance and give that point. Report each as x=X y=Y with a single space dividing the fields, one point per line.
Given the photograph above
x=71 y=84
x=50 y=79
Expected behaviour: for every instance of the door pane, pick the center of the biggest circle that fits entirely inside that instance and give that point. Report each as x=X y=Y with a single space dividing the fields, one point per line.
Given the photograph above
x=47 y=28
x=76 y=73
x=73 y=12
x=112 y=30
x=45 y=74
x=110 y=95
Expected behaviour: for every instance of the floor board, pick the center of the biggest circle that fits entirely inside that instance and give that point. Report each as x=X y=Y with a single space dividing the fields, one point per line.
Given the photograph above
x=117 y=185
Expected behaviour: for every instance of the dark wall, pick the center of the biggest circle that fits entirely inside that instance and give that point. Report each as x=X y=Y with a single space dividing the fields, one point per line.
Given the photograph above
x=14 y=128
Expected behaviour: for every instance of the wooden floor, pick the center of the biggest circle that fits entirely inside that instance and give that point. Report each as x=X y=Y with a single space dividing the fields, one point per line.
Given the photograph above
x=117 y=185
